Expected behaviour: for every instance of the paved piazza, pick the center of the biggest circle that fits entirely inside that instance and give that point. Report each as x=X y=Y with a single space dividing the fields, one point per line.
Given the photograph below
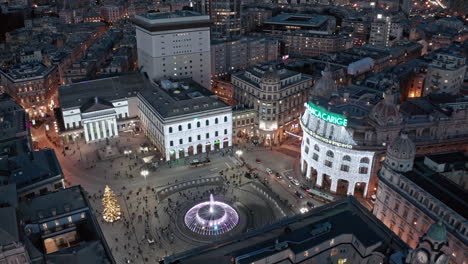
x=154 y=206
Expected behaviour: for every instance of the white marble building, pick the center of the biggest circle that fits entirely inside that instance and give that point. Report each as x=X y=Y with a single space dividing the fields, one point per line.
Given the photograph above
x=96 y=114
x=183 y=119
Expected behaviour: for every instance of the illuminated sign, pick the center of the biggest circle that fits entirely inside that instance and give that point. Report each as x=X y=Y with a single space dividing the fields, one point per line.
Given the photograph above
x=323 y=114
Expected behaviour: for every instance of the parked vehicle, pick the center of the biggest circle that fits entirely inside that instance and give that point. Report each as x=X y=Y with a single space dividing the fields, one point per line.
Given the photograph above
x=269 y=171
x=298 y=194
x=295 y=182
x=258 y=161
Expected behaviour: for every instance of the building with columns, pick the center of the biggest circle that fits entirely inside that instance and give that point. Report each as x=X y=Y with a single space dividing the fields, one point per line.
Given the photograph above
x=183 y=118
x=98 y=109
x=346 y=131
x=419 y=193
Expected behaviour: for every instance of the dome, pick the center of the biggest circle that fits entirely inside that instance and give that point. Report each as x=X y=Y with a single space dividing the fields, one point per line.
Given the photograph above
x=325 y=86
x=402 y=148
x=271 y=76
x=386 y=112
x=437 y=232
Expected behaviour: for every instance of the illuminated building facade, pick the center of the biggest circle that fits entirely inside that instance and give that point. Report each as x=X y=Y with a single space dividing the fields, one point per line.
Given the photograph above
x=226 y=18
x=277 y=94
x=345 y=133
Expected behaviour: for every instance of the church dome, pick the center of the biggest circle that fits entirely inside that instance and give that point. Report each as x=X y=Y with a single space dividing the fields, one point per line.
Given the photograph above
x=402 y=148
x=325 y=86
x=386 y=112
x=271 y=76
x=437 y=232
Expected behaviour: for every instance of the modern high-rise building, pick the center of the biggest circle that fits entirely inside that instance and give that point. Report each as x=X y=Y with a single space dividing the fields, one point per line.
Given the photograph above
x=384 y=31
x=174 y=45
x=224 y=14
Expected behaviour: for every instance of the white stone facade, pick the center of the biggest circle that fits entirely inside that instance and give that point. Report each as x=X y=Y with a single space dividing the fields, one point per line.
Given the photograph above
x=187 y=135
x=329 y=158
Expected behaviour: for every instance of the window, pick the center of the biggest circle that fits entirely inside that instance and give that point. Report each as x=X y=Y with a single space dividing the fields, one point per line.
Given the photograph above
x=365 y=160
x=225 y=119
x=315 y=157
x=199 y=137
x=170 y=129
x=225 y=131
x=216 y=120
x=207 y=135
x=363 y=170
x=328 y=163
x=330 y=154
x=316 y=147
x=307 y=141
x=216 y=133
x=198 y=124
x=346 y=158
x=189 y=126
x=189 y=139
x=306 y=150
x=181 y=141
x=180 y=127
x=207 y=122
x=344 y=168
x=171 y=143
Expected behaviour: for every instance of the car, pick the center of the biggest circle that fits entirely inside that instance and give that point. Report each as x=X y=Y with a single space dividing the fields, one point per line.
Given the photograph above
x=278 y=175
x=304 y=187
x=258 y=161
x=295 y=182
x=298 y=194
x=310 y=204
x=269 y=171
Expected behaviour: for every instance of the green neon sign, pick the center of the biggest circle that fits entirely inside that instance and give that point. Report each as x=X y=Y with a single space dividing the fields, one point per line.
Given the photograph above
x=323 y=114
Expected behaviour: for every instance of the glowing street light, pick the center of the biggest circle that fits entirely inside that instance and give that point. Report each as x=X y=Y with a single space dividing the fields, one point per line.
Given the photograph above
x=239 y=153
x=144 y=173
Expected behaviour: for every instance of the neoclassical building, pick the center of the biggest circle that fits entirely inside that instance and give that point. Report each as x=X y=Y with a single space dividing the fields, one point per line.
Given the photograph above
x=276 y=93
x=417 y=195
x=183 y=118
x=346 y=131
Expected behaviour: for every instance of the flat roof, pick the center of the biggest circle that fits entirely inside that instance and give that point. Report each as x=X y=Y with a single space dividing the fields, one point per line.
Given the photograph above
x=8 y=226
x=181 y=97
x=108 y=88
x=309 y=20
x=449 y=157
x=345 y=216
x=28 y=71
x=443 y=189
x=180 y=19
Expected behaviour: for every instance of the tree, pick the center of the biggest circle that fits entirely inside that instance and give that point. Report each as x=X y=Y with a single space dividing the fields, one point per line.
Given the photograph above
x=111 y=207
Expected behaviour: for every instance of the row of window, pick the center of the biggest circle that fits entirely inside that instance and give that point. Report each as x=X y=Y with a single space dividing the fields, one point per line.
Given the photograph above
x=189 y=125
x=207 y=135
x=330 y=154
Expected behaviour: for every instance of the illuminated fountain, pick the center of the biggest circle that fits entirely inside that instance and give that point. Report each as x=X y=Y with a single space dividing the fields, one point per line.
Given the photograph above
x=211 y=218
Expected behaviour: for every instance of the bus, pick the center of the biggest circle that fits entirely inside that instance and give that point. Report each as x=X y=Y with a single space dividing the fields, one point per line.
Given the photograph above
x=196 y=163
x=324 y=197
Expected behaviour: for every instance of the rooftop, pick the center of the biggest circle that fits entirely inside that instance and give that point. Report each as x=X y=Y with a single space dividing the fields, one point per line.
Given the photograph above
x=443 y=189
x=309 y=20
x=172 y=99
x=8 y=226
x=171 y=20
x=27 y=71
x=297 y=234
x=108 y=88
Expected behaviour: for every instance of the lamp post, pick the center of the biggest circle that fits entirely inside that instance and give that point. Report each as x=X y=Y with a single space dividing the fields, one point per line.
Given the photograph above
x=144 y=173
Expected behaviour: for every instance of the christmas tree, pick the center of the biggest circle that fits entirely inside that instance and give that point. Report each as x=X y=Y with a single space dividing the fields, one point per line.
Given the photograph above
x=111 y=207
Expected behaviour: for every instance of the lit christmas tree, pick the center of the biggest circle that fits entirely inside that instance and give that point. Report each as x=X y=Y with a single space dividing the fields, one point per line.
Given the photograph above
x=111 y=207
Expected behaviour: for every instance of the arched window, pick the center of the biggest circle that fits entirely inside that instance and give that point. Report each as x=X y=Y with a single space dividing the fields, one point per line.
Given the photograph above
x=347 y=158
x=170 y=129
x=216 y=120
x=189 y=126
x=365 y=160
x=180 y=127
x=330 y=154
x=207 y=122
x=198 y=124
x=316 y=147
x=225 y=119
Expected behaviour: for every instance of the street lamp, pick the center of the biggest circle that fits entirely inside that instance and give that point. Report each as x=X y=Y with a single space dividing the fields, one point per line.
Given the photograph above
x=144 y=173
x=239 y=153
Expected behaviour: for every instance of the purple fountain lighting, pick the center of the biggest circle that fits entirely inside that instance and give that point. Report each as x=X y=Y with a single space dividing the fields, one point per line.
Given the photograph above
x=211 y=218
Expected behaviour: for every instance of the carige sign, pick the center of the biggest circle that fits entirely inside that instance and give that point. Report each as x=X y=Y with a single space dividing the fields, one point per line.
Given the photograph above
x=325 y=115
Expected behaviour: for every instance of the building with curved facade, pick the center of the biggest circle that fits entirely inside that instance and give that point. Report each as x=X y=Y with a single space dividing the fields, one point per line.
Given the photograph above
x=346 y=132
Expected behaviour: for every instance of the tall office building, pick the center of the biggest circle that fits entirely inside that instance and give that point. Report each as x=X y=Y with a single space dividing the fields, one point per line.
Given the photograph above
x=384 y=31
x=174 y=45
x=225 y=15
